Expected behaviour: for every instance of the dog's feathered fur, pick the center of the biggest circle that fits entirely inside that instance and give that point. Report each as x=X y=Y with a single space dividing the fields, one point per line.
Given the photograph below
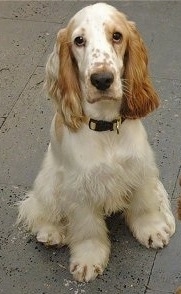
x=87 y=175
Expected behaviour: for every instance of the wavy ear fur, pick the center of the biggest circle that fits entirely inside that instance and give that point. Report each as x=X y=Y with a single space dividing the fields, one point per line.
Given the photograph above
x=140 y=97
x=62 y=82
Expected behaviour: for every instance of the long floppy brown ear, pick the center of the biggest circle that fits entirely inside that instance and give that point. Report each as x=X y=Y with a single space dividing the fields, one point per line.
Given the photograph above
x=139 y=96
x=62 y=82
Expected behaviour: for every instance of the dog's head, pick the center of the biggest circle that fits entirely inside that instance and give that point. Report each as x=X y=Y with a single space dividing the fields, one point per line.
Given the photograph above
x=99 y=56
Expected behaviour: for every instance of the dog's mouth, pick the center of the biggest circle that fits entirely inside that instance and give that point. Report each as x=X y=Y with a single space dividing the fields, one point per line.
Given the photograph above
x=93 y=95
x=102 y=98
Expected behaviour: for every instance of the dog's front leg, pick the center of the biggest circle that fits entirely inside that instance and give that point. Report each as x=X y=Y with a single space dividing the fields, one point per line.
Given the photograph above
x=89 y=244
x=149 y=215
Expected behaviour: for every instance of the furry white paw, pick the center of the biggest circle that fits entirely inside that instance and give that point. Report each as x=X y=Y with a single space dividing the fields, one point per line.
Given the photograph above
x=153 y=230
x=85 y=272
x=89 y=259
x=50 y=235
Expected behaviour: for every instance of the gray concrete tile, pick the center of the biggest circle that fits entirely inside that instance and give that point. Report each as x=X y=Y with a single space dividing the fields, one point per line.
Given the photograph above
x=158 y=292
x=165 y=41
x=25 y=134
x=177 y=192
x=43 y=59
x=163 y=128
x=41 y=11
x=1 y=121
x=29 y=267
x=166 y=276
x=20 y=50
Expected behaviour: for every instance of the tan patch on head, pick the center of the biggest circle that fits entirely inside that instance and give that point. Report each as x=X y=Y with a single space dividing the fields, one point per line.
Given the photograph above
x=119 y=24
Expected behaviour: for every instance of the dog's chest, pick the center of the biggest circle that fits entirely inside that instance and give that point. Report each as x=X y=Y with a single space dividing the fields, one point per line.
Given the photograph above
x=90 y=152
x=102 y=170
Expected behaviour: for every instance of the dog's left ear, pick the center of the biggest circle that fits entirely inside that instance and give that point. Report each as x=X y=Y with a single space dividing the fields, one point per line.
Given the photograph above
x=139 y=97
x=62 y=82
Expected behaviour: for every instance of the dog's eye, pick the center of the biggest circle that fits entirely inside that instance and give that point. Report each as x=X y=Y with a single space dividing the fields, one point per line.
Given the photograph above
x=117 y=37
x=79 y=41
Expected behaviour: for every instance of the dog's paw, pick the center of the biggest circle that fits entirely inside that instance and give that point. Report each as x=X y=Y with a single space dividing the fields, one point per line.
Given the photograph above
x=154 y=236
x=51 y=235
x=89 y=259
x=85 y=272
x=153 y=230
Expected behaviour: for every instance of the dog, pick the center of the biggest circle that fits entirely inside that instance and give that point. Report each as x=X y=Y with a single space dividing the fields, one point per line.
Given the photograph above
x=99 y=160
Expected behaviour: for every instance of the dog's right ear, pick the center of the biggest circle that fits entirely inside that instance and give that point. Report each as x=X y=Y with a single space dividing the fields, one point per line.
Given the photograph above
x=140 y=97
x=62 y=83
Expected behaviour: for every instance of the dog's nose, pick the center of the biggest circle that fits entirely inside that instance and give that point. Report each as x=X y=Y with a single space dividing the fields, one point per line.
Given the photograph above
x=102 y=81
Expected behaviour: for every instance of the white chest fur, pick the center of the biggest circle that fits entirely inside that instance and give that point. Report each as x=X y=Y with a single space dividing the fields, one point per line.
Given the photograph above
x=105 y=166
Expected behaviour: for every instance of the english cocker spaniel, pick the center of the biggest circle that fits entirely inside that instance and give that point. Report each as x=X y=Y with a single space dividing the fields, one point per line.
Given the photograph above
x=99 y=160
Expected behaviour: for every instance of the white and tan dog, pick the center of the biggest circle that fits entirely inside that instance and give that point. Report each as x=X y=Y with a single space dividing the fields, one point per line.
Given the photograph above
x=99 y=160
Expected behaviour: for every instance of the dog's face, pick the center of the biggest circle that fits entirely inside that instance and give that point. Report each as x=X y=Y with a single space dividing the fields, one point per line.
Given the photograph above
x=98 y=44
x=99 y=56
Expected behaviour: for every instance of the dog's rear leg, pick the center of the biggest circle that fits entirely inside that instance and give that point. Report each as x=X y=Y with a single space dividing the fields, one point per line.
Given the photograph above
x=39 y=220
x=40 y=212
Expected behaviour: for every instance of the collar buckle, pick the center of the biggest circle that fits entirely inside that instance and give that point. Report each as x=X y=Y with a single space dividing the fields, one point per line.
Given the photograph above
x=117 y=126
x=92 y=124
